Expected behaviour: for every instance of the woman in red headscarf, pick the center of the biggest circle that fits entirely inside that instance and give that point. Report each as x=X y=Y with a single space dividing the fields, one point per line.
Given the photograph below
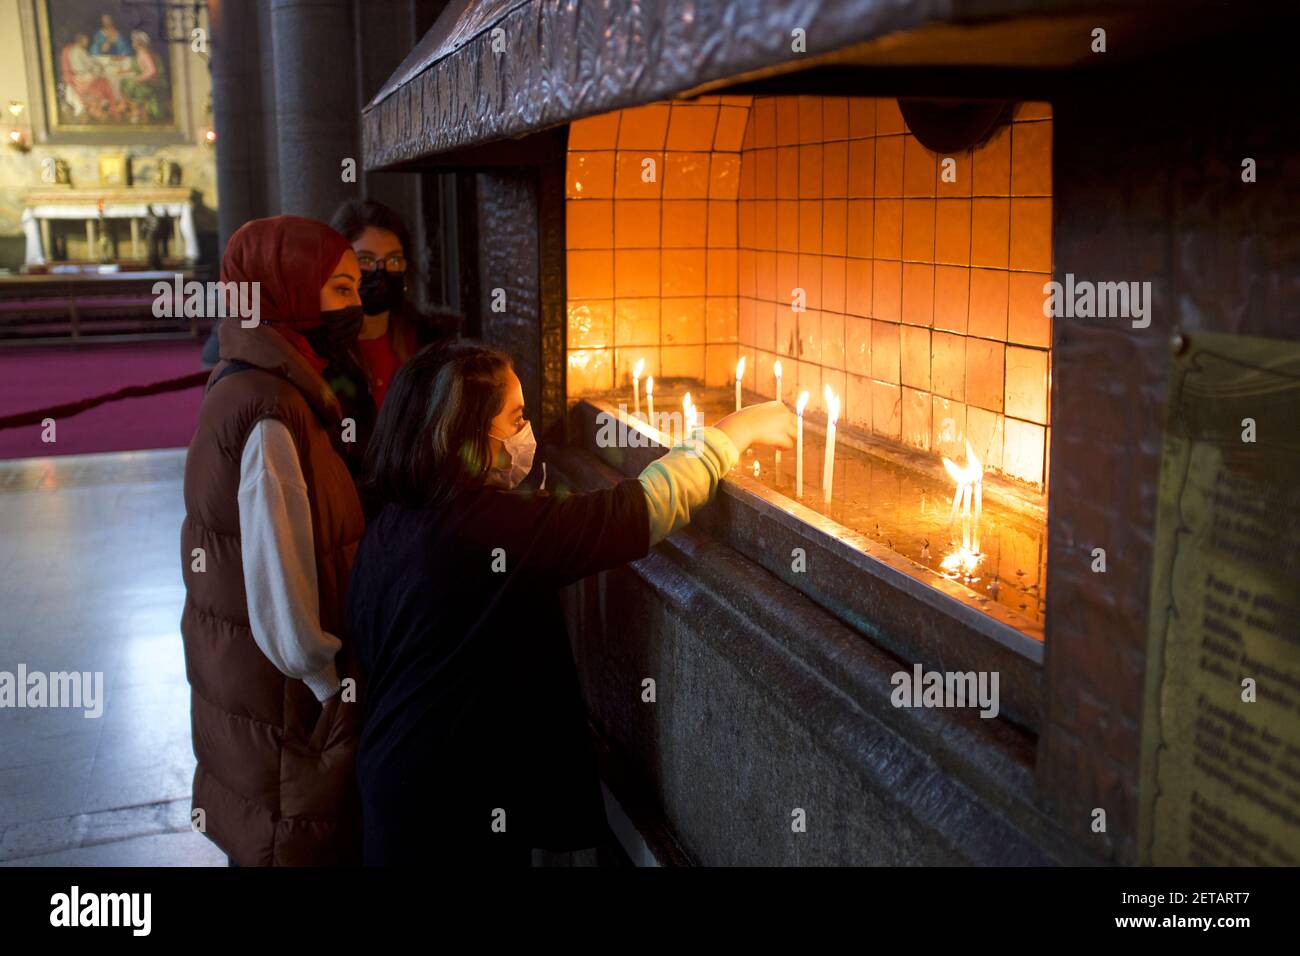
x=272 y=523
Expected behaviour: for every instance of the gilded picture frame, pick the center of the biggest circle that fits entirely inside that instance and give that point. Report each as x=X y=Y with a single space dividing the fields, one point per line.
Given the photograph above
x=103 y=71
x=113 y=170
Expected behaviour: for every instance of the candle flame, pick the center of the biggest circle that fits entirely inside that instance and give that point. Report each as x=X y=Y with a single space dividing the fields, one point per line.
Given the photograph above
x=832 y=407
x=973 y=471
x=640 y=367
x=777 y=368
x=961 y=561
x=802 y=403
x=756 y=468
x=649 y=384
x=740 y=369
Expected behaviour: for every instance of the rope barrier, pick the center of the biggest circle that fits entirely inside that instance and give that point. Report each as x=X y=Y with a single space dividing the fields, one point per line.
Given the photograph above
x=131 y=391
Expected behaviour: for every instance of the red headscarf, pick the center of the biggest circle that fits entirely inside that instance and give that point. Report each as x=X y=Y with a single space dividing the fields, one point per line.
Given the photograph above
x=291 y=257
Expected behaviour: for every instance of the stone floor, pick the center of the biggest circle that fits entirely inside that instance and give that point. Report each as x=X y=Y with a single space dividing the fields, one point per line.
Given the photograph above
x=90 y=581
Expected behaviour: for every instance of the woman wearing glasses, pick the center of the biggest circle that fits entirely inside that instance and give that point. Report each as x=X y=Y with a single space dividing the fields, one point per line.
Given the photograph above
x=393 y=329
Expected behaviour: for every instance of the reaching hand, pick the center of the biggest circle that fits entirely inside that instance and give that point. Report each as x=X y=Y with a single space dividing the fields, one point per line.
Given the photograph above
x=770 y=423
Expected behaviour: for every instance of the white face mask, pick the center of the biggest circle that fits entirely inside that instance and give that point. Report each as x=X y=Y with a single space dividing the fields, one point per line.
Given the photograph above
x=521 y=448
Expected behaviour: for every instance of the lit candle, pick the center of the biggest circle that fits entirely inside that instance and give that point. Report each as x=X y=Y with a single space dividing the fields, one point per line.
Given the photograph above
x=970 y=485
x=688 y=414
x=798 y=448
x=956 y=474
x=650 y=399
x=636 y=385
x=826 y=452
x=740 y=373
x=832 y=415
x=777 y=369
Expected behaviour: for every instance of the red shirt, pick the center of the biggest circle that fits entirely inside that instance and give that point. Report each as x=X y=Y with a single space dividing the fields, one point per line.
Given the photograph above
x=381 y=364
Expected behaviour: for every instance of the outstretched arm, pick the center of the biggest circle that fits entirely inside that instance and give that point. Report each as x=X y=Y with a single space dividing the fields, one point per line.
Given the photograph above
x=566 y=537
x=687 y=477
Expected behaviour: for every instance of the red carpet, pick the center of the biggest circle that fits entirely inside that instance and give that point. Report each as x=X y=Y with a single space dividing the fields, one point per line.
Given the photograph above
x=35 y=378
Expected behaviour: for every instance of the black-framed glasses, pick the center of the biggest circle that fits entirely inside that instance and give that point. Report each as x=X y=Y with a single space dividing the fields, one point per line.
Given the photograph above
x=394 y=263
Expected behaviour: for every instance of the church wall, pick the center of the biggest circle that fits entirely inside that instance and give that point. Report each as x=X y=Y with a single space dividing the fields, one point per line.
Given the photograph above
x=21 y=171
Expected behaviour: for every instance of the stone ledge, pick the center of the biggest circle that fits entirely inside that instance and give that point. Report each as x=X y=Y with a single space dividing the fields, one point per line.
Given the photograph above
x=767 y=701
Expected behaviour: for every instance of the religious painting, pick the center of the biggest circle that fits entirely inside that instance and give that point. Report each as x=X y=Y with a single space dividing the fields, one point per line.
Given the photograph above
x=105 y=66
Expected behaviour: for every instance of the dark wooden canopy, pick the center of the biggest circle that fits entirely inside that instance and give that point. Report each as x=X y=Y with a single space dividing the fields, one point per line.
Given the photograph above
x=465 y=85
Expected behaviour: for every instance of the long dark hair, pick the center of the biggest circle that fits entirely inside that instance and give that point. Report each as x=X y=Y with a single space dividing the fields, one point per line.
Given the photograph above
x=430 y=441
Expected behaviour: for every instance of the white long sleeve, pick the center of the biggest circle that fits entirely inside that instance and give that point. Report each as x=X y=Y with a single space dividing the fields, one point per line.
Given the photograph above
x=279 y=561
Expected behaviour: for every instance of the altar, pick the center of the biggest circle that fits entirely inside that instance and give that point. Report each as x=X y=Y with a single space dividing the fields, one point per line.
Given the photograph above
x=132 y=203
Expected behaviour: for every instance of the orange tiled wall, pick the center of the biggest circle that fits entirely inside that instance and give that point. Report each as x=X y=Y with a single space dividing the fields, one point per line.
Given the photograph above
x=923 y=296
x=653 y=248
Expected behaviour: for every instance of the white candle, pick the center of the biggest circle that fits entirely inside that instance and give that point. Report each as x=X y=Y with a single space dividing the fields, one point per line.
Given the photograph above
x=826 y=451
x=650 y=398
x=777 y=369
x=740 y=373
x=688 y=414
x=636 y=385
x=798 y=447
x=970 y=485
x=832 y=415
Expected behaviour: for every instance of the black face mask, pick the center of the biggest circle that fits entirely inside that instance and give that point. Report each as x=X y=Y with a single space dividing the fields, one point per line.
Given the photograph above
x=338 y=334
x=382 y=291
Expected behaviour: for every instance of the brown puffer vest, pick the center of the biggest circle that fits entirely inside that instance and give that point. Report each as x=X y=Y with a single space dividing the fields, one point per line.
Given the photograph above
x=276 y=787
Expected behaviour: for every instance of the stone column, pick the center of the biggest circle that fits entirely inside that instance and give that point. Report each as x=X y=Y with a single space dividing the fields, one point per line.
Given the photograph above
x=315 y=64
x=1170 y=208
x=508 y=256
x=237 y=115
